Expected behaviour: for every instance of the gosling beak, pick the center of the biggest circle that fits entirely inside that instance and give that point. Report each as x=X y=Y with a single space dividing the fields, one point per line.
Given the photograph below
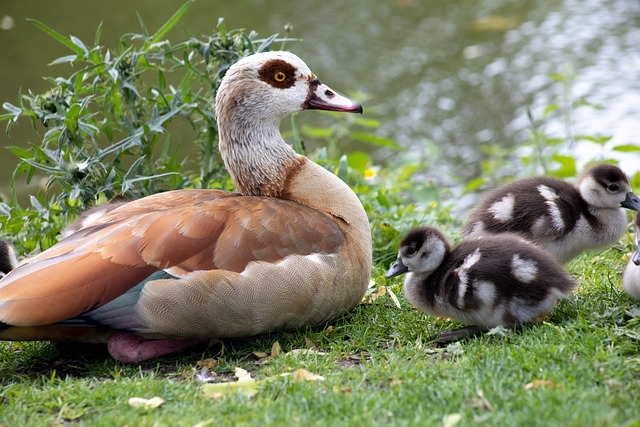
x=631 y=202
x=322 y=97
x=396 y=269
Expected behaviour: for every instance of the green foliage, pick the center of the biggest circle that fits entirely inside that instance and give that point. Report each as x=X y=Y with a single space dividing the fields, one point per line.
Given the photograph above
x=107 y=126
x=108 y=133
x=547 y=153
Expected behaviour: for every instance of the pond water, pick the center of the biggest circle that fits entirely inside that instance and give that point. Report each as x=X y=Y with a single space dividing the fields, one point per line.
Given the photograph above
x=458 y=73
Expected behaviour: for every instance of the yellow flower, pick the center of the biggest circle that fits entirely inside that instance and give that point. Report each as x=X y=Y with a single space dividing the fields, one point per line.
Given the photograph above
x=433 y=204
x=369 y=173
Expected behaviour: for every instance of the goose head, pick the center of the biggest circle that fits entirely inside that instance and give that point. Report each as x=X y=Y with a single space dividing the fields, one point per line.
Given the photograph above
x=606 y=186
x=256 y=93
x=421 y=251
x=270 y=86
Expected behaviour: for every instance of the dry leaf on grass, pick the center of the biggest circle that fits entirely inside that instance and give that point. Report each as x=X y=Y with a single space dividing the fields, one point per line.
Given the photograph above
x=304 y=375
x=540 y=383
x=242 y=375
x=276 y=350
x=207 y=363
x=451 y=419
x=142 y=403
x=394 y=298
x=245 y=385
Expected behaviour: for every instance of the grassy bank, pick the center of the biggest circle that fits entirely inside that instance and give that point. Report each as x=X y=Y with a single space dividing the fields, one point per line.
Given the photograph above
x=378 y=366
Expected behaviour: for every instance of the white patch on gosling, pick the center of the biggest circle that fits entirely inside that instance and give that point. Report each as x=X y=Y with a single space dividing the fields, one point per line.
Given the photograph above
x=463 y=274
x=554 y=211
x=503 y=210
x=556 y=216
x=547 y=192
x=523 y=269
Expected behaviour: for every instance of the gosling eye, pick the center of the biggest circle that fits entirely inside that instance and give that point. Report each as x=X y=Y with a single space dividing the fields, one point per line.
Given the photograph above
x=411 y=251
x=613 y=188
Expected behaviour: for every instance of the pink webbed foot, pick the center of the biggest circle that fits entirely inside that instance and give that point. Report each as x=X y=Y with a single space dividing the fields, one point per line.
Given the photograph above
x=132 y=348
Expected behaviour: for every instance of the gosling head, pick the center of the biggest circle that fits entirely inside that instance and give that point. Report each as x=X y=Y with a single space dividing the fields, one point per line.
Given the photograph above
x=606 y=186
x=421 y=251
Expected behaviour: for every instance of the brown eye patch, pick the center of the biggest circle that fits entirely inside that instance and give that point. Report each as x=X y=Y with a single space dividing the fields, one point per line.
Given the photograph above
x=278 y=73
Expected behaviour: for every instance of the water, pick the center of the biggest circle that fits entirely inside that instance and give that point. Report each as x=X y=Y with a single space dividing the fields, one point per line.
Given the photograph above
x=461 y=74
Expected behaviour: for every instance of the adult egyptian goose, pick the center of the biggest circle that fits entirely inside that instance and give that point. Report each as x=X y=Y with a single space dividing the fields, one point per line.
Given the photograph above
x=172 y=270
x=556 y=215
x=488 y=281
x=631 y=273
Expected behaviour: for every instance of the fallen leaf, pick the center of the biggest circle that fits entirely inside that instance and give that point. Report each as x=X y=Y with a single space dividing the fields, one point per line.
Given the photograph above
x=394 y=298
x=142 y=403
x=373 y=292
x=304 y=375
x=207 y=363
x=260 y=354
x=245 y=385
x=276 y=350
x=242 y=375
x=220 y=390
x=451 y=420
x=539 y=383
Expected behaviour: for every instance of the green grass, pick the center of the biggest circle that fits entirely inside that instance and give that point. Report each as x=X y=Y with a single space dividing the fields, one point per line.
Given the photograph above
x=580 y=367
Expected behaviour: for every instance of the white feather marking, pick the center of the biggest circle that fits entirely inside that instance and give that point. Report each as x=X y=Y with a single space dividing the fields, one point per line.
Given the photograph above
x=502 y=210
x=556 y=216
x=524 y=270
x=463 y=274
x=554 y=211
x=547 y=192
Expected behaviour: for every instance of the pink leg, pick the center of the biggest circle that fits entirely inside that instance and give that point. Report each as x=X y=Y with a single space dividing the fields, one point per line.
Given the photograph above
x=132 y=348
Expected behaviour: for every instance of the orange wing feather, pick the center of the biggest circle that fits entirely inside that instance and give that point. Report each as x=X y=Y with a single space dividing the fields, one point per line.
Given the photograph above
x=181 y=231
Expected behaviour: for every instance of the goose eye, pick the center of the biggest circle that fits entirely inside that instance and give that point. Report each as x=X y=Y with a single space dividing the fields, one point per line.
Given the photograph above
x=279 y=76
x=411 y=251
x=613 y=188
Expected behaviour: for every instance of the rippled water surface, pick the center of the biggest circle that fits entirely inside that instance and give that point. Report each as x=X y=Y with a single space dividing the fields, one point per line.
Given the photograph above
x=461 y=74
